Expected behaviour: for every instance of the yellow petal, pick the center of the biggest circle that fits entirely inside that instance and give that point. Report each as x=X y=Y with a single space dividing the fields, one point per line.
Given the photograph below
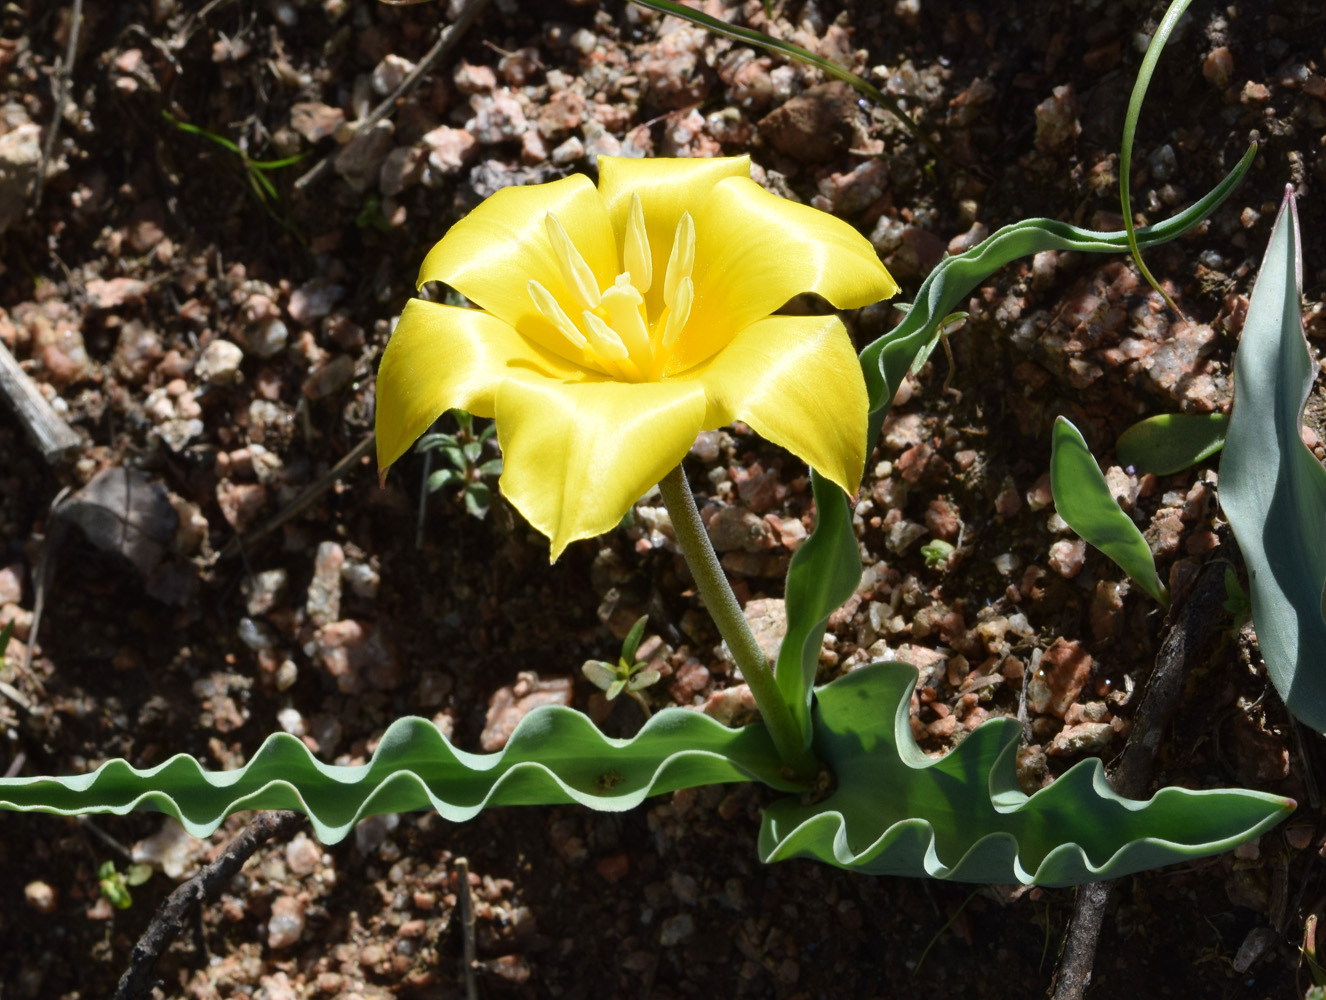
x=441 y=357
x=490 y=255
x=666 y=187
x=755 y=251
x=797 y=381
x=576 y=457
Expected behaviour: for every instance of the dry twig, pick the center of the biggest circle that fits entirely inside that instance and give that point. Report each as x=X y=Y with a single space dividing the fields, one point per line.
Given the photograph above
x=446 y=41
x=139 y=979
x=1194 y=629
x=54 y=438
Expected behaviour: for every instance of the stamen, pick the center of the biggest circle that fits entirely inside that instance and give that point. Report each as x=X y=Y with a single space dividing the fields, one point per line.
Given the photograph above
x=635 y=254
x=553 y=313
x=579 y=278
x=683 y=297
x=603 y=340
x=623 y=302
x=682 y=259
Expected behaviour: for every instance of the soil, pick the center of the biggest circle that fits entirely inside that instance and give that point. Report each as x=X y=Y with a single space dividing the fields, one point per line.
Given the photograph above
x=221 y=340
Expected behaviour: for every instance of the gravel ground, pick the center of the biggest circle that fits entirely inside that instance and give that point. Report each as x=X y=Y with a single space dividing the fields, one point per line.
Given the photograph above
x=213 y=344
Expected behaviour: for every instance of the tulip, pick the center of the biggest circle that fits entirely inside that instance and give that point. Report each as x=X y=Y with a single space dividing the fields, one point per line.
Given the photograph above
x=617 y=322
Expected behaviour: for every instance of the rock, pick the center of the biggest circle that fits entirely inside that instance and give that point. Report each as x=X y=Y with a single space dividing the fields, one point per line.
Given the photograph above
x=41 y=897
x=1057 y=127
x=1064 y=669
x=263 y=591
x=361 y=158
x=498 y=117
x=171 y=849
x=855 y=191
x=20 y=161
x=355 y=653
x=286 y=923
x=733 y=706
x=402 y=169
x=11 y=584
x=109 y=294
x=330 y=377
x=568 y=152
x=137 y=351
x=474 y=79
x=511 y=703
x=815 y=127
x=767 y=617
x=240 y=503
x=1067 y=556
x=1083 y=739
x=302 y=856
x=676 y=929
x=563 y=113
x=265 y=338
x=219 y=362
x=314 y=120
x=732 y=528
x=449 y=149
x=323 y=605
x=390 y=73
x=671 y=69
x=313 y=300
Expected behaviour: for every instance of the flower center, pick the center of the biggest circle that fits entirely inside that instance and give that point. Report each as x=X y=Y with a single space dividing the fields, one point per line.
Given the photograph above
x=610 y=329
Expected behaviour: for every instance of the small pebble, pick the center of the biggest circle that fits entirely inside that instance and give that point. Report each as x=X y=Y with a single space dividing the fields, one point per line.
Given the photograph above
x=286 y=923
x=41 y=897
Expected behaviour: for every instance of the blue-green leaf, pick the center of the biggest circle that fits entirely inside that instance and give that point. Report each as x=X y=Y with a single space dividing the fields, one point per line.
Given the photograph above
x=963 y=817
x=1082 y=498
x=1171 y=442
x=554 y=756
x=1272 y=489
x=823 y=574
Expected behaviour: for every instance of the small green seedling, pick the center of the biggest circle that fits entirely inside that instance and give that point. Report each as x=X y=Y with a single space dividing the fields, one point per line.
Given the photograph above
x=626 y=674
x=467 y=471
x=6 y=634
x=255 y=169
x=1318 y=990
x=115 y=885
x=936 y=552
x=1237 y=601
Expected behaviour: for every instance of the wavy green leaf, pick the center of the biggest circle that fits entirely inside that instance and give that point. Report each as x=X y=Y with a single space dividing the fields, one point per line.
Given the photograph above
x=1083 y=499
x=887 y=359
x=823 y=574
x=554 y=756
x=963 y=817
x=1272 y=489
x=1171 y=442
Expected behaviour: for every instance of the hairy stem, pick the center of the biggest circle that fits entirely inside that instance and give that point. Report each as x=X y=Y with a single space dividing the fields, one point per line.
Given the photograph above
x=722 y=604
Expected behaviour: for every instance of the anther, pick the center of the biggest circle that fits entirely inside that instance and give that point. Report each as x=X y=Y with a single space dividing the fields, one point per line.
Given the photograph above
x=575 y=272
x=682 y=259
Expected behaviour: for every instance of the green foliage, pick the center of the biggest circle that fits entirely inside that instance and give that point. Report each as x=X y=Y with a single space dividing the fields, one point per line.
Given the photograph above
x=1134 y=112
x=1171 y=442
x=626 y=674
x=1082 y=498
x=6 y=633
x=936 y=552
x=1272 y=488
x=554 y=756
x=255 y=170
x=963 y=817
x=1236 y=602
x=887 y=360
x=114 y=885
x=466 y=471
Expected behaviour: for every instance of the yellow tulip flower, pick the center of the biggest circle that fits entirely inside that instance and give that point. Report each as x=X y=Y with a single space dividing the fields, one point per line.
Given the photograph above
x=616 y=323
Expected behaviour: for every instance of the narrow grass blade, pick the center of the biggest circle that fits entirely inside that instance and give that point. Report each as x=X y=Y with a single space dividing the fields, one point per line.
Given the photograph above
x=887 y=359
x=1082 y=498
x=1134 y=112
x=770 y=44
x=963 y=817
x=1272 y=489
x=554 y=756
x=1171 y=442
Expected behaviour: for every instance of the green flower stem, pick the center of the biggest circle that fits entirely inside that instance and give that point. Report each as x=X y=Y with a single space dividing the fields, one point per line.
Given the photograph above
x=717 y=595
